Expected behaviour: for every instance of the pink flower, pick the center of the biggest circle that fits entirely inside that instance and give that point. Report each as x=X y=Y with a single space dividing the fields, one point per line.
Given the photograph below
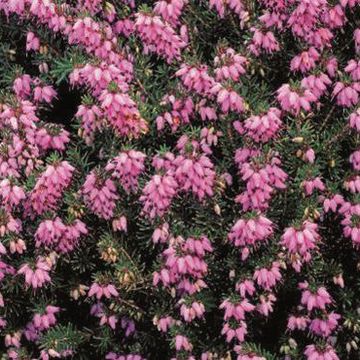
x=305 y=61
x=49 y=188
x=11 y=194
x=301 y=241
x=182 y=343
x=158 y=36
x=51 y=136
x=8 y=224
x=13 y=339
x=357 y=39
x=230 y=65
x=245 y=287
x=55 y=234
x=232 y=332
x=352 y=184
x=99 y=78
x=100 y=195
x=310 y=185
x=333 y=203
x=17 y=246
x=90 y=121
x=126 y=167
x=236 y=6
x=195 y=310
x=315 y=300
x=335 y=17
x=339 y=280
x=332 y=66
x=263 y=41
x=122 y=114
x=354 y=120
x=250 y=232
x=354 y=160
x=267 y=278
x=261 y=128
x=45 y=93
x=165 y=323
x=236 y=310
x=196 y=78
x=351 y=224
x=261 y=179
x=347 y=95
x=36 y=276
x=158 y=194
x=113 y=356
x=120 y=224
x=293 y=100
x=124 y=27
x=310 y=155
x=244 y=354
x=161 y=234
x=326 y=325
x=266 y=305
x=44 y=321
x=102 y=290
x=195 y=173
x=170 y=11
x=181 y=113
x=32 y=42
x=316 y=84
x=184 y=264
x=353 y=68
x=314 y=353
x=22 y=86
x=297 y=323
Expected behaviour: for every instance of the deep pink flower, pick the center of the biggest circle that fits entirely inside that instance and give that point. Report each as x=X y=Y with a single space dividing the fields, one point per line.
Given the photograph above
x=100 y=195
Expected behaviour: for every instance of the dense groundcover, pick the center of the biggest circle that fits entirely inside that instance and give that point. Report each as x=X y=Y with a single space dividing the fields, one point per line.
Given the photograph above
x=180 y=179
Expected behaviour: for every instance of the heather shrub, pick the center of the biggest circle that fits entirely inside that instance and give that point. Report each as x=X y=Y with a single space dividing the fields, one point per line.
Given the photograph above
x=180 y=179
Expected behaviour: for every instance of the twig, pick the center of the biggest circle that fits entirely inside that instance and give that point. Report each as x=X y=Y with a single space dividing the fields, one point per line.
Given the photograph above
x=327 y=118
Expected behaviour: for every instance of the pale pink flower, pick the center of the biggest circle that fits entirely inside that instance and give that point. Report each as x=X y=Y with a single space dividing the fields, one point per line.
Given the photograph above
x=314 y=353
x=354 y=160
x=354 y=120
x=38 y=275
x=353 y=68
x=263 y=42
x=298 y=323
x=326 y=325
x=32 y=42
x=170 y=11
x=268 y=278
x=310 y=185
x=229 y=65
x=100 y=290
x=347 y=95
x=245 y=287
x=315 y=300
x=305 y=61
x=293 y=100
x=182 y=343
